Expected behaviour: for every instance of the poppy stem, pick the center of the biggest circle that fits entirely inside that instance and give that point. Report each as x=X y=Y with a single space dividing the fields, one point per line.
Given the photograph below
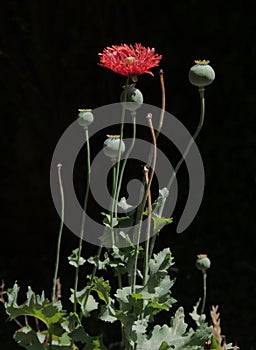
x=59 y=235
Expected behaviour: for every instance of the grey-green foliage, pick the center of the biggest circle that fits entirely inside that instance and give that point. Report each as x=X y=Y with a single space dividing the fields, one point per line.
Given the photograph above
x=176 y=336
x=135 y=310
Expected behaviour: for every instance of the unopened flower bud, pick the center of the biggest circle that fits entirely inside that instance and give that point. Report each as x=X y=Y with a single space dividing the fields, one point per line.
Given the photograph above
x=203 y=262
x=111 y=146
x=134 y=98
x=201 y=74
x=85 y=117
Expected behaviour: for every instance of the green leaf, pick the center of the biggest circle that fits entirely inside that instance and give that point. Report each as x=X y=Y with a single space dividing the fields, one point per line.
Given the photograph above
x=102 y=288
x=163 y=335
x=124 y=205
x=92 y=343
x=27 y=338
x=79 y=335
x=75 y=260
x=161 y=261
x=164 y=346
x=139 y=329
x=101 y=265
x=160 y=222
x=123 y=259
x=163 y=194
x=178 y=325
x=87 y=303
x=199 y=319
x=108 y=313
x=35 y=306
x=107 y=220
x=159 y=281
x=70 y=322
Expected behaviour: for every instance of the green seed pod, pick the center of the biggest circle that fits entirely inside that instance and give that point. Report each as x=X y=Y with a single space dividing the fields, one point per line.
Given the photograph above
x=85 y=117
x=134 y=98
x=203 y=262
x=111 y=146
x=201 y=74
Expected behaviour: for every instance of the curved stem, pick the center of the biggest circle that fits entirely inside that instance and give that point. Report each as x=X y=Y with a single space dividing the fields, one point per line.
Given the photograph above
x=59 y=235
x=161 y=119
x=149 y=182
x=199 y=127
x=133 y=114
x=204 y=291
x=83 y=216
x=192 y=140
x=139 y=216
x=159 y=127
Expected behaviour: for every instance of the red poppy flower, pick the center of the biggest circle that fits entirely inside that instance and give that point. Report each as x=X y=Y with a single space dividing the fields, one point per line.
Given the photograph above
x=129 y=60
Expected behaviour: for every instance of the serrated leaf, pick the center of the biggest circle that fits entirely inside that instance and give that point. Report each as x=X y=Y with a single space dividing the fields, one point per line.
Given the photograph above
x=70 y=322
x=160 y=222
x=108 y=313
x=163 y=194
x=107 y=221
x=122 y=294
x=178 y=325
x=101 y=264
x=161 y=261
x=162 y=335
x=198 y=318
x=35 y=306
x=75 y=260
x=91 y=342
x=87 y=303
x=102 y=288
x=158 y=335
x=27 y=338
x=124 y=205
x=139 y=329
x=79 y=335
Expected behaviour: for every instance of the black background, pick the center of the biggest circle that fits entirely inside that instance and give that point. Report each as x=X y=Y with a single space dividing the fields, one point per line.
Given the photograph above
x=48 y=69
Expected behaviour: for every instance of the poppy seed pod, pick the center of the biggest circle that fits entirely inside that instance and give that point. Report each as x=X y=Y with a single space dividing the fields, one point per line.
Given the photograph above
x=203 y=262
x=111 y=146
x=201 y=74
x=134 y=98
x=85 y=117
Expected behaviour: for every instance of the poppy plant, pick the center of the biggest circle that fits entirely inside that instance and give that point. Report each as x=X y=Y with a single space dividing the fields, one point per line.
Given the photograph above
x=129 y=60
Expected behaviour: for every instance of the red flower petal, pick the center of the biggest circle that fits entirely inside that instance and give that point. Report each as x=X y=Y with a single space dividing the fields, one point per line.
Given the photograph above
x=128 y=60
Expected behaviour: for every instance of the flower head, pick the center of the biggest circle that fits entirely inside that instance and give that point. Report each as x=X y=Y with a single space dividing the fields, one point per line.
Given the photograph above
x=201 y=74
x=85 y=117
x=129 y=60
x=111 y=146
x=203 y=262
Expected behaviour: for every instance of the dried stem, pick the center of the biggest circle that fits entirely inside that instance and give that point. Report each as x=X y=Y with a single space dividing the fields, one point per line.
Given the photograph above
x=161 y=119
x=146 y=259
x=142 y=206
